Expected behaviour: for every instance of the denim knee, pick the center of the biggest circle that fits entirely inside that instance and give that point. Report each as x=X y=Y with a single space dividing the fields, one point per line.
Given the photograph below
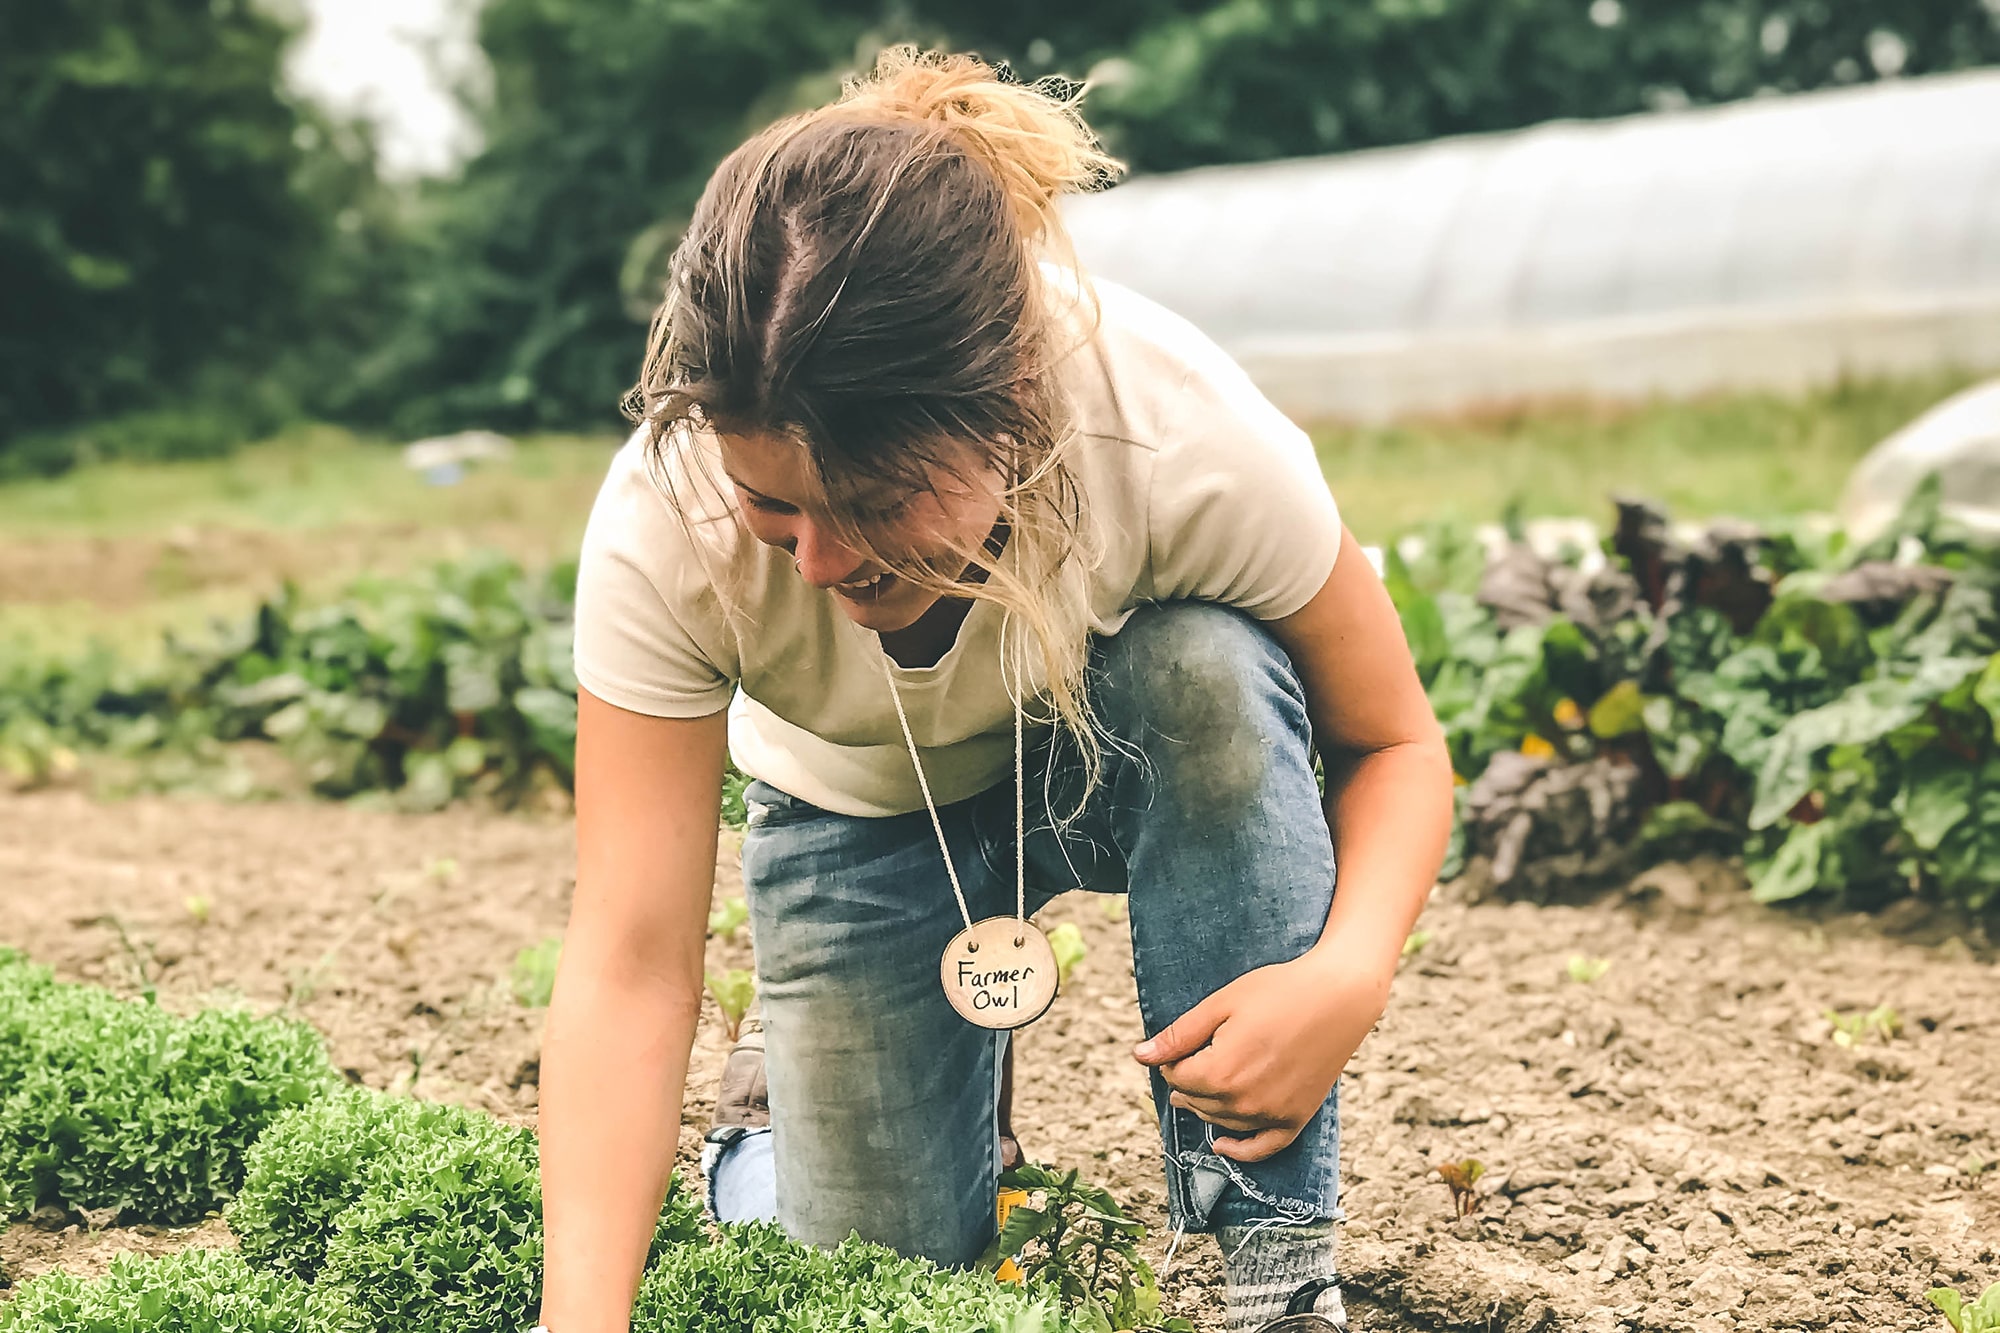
x=1204 y=693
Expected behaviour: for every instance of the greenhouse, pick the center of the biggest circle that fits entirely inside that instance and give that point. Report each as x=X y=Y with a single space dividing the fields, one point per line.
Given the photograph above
x=1775 y=243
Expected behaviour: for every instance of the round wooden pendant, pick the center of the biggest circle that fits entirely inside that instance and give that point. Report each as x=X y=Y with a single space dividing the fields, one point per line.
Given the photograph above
x=999 y=973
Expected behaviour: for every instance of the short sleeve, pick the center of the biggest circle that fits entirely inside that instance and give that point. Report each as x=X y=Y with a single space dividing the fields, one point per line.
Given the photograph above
x=647 y=638
x=1240 y=512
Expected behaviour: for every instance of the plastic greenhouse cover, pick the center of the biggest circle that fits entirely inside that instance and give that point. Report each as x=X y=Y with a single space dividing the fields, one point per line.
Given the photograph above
x=1869 y=207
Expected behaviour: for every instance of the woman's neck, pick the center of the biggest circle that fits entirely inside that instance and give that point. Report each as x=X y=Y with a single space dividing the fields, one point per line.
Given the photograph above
x=925 y=642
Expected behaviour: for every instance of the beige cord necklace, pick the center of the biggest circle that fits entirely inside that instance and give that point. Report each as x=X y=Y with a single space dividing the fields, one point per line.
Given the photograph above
x=999 y=973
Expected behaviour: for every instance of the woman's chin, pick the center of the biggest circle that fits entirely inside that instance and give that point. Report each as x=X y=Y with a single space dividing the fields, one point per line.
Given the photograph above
x=889 y=614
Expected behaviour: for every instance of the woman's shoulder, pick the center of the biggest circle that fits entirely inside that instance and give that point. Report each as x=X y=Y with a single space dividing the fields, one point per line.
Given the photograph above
x=665 y=513
x=667 y=497
x=1145 y=375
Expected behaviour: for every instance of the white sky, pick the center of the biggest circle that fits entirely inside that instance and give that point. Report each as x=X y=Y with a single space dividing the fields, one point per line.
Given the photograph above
x=390 y=61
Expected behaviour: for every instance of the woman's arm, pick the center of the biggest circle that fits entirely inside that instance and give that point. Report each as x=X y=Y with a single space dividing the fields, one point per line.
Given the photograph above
x=627 y=996
x=1293 y=1027
x=1388 y=775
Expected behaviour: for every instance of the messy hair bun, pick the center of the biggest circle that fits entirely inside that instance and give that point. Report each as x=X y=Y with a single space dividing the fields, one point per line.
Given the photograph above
x=1030 y=135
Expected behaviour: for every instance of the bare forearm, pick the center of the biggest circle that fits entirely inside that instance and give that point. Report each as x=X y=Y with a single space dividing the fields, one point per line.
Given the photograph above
x=614 y=1067
x=1390 y=812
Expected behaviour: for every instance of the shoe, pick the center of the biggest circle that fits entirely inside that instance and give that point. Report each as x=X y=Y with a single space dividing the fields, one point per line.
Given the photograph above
x=743 y=1097
x=743 y=1101
x=1301 y=1316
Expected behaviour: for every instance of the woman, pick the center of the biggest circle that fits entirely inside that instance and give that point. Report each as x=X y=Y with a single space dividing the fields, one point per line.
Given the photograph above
x=1025 y=588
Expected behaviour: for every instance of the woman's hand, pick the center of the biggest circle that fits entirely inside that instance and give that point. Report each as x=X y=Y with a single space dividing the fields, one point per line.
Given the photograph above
x=1259 y=1056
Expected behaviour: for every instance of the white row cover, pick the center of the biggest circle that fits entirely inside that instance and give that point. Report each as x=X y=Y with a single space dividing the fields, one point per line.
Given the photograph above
x=1774 y=242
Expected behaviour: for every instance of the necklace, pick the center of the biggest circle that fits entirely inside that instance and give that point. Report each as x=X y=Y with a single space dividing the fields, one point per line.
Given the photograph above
x=998 y=973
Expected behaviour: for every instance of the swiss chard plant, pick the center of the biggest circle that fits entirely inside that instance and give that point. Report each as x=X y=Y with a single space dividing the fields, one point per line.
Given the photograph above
x=733 y=991
x=1073 y=1239
x=1826 y=711
x=1981 y=1315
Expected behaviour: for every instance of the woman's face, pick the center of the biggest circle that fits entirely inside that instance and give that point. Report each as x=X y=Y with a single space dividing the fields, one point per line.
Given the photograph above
x=783 y=507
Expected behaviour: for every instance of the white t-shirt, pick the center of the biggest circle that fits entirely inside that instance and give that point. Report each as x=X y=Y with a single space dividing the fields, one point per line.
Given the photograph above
x=1196 y=488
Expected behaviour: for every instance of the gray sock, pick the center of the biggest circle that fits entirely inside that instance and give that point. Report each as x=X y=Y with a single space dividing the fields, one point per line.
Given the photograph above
x=1263 y=1263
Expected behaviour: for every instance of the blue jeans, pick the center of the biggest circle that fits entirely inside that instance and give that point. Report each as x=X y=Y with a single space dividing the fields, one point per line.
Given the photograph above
x=1208 y=816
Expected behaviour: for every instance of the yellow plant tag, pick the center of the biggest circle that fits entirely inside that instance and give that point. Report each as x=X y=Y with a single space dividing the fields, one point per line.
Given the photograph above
x=1009 y=1201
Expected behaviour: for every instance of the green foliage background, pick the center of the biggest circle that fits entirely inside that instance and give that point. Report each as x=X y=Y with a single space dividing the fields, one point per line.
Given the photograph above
x=191 y=255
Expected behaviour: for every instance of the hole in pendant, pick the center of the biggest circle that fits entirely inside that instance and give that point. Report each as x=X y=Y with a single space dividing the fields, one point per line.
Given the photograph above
x=1020 y=940
x=972 y=946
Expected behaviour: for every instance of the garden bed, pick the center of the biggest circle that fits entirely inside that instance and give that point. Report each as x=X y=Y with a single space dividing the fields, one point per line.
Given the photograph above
x=1680 y=1143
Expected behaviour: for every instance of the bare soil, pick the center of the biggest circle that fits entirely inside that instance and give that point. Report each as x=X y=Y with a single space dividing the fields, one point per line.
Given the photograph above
x=127 y=572
x=1677 y=1145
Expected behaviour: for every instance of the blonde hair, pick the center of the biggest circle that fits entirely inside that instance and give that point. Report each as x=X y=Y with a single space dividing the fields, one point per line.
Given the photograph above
x=865 y=279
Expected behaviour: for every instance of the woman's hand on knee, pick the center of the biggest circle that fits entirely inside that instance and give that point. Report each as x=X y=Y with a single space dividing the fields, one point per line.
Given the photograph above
x=1259 y=1057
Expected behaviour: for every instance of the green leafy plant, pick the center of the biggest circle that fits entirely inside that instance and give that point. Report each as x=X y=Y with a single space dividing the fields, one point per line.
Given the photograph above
x=116 y=1104
x=1981 y=1316
x=1853 y=1027
x=1073 y=1239
x=1462 y=1179
x=754 y=1277
x=1583 y=970
x=194 y=1291
x=1414 y=943
x=448 y=1237
x=733 y=992
x=728 y=917
x=1820 y=708
x=1066 y=942
x=314 y=1162
x=534 y=975
x=401 y=1201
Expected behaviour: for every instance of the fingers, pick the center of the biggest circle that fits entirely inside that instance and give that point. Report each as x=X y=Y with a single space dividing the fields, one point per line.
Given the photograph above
x=1256 y=1147
x=1185 y=1035
x=1199 y=1076
x=1218 y=1113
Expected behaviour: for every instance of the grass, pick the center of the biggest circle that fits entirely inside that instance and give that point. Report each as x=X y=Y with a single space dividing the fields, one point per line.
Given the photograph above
x=1755 y=456
x=314 y=478
x=121 y=551
x=137 y=548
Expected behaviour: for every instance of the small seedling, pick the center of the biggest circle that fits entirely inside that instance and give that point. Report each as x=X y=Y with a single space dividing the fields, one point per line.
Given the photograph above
x=302 y=983
x=1113 y=906
x=1584 y=970
x=1461 y=1178
x=199 y=906
x=535 y=972
x=442 y=870
x=733 y=991
x=139 y=955
x=1414 y=945
x=1067 y=943
x=1854 y=1027
x=1074 y=1239
x=728 y=917
x=1981 y=1316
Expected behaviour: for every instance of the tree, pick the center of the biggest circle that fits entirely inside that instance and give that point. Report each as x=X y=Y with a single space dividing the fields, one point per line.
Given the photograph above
x=525 y=306
x=544 y=259
x=1247 y=79
x=151 y=235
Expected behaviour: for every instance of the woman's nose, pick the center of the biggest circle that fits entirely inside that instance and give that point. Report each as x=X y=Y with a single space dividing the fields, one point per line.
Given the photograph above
x=822 y=560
